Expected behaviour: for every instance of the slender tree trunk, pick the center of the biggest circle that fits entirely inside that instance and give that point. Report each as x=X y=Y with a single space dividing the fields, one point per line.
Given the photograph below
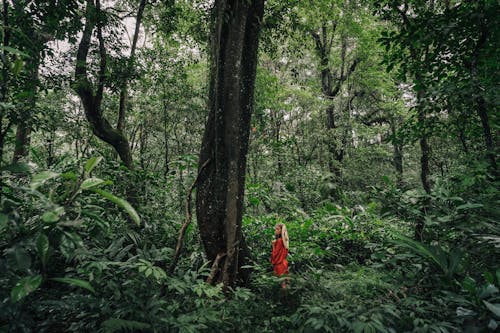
x=143 y=141
x=219 y=202
x=92 y=98
x=165 y=139
x=482 y=109
x=124 y=89
x=461 y=134
x=424 y=163
x=24 y=126
x=4 y=56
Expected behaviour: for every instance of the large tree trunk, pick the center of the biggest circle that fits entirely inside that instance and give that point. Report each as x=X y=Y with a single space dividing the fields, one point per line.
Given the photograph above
x=219 y=201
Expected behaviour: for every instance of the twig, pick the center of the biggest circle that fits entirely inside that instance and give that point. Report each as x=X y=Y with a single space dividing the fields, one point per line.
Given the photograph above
x=182 y=232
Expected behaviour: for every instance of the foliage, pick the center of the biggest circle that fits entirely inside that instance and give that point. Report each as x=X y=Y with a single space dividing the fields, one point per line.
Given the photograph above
x=85 y=242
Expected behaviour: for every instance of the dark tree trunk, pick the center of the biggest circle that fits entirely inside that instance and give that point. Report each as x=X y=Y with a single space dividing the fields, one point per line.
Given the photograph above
x=165 y=139
x=219 y=199
x=124 y=89
x=92 y=98
x=424 y=163
x=482 y=109
x=23 y=130
x=398 y=155
x=481 y=106
x=331 y=88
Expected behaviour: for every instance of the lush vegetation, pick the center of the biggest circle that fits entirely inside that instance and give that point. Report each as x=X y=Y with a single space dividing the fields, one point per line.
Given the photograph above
x=373 y=136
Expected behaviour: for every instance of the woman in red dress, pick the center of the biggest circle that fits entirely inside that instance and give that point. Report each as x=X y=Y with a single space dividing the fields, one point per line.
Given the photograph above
x=280 y=251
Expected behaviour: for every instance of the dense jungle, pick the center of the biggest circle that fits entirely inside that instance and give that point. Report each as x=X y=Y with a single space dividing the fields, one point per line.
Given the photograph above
x=155 y=153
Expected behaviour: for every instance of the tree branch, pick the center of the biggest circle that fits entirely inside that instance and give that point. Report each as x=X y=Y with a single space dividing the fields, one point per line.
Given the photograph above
x=187 y=221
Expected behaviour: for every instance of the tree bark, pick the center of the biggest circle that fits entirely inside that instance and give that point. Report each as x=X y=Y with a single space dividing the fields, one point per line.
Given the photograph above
x=219 y=199
x=331 y=88
x=424 y=162
x=24 y=126
x=479 y=99
x=124 y=89
x=92 y=96
x=398 y=154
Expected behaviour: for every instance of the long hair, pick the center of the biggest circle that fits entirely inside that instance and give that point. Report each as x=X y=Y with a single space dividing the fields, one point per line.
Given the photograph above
x=284 y=235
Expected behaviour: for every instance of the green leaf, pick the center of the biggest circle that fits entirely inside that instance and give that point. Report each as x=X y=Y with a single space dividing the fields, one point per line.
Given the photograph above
x=91 y=182
x=115 y=325
x=25 y=286
x=17 y=66
x=121 y=203
x=13 y=51
x=4 y=219
x=50 y=217
x=41 y=178
x=495 y=308
x=91 y=164
x=75 y=282
x=23 y=260
x=42 y=245
x=469 y=206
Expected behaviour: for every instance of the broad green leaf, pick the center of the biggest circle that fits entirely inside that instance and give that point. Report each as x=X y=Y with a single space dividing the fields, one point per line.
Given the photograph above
x=50 y=217
x=489 y=277
x=41 y=178
x=91 y=182
x=42 y=245
x=91 y=164
x=25 y=286
x=121 y=203
x=493 y=307
x=13 y=51
x=75 y=282
x=487 y=291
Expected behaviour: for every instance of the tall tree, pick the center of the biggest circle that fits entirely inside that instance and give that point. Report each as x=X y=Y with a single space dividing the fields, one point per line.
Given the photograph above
x=219 y=201
x=42 y=21
x=92 y=96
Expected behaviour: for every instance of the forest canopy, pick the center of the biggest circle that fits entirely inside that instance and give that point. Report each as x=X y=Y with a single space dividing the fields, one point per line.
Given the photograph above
x=154 y=153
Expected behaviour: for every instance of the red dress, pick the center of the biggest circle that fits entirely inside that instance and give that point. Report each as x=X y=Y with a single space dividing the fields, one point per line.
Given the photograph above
x=278 y=258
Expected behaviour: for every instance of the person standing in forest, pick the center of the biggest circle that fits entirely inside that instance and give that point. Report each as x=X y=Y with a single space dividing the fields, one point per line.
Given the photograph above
x=280 y=251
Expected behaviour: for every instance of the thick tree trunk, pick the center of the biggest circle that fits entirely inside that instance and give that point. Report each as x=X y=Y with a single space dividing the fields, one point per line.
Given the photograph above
x=219 y=201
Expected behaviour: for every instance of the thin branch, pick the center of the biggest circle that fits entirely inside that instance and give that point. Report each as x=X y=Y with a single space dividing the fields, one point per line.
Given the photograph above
x=215 y=268
x=102 y=54
x=187 y=221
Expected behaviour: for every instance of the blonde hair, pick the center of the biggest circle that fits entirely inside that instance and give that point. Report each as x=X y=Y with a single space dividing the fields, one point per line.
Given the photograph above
x=284 y=235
